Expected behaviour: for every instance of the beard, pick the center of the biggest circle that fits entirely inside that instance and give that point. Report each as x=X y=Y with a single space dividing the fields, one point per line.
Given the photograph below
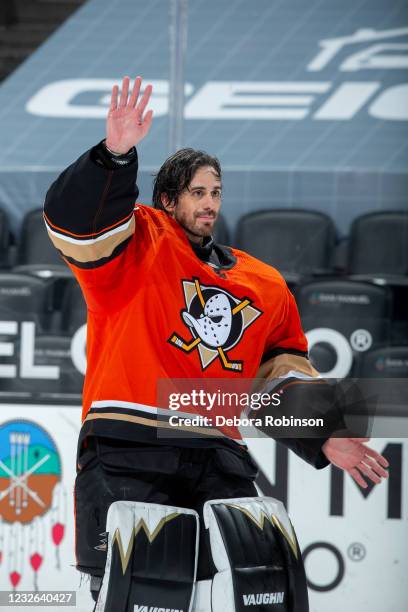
x=193 y=226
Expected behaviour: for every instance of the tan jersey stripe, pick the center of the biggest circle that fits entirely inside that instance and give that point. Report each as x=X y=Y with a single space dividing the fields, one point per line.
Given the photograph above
x=93 y=234
x=280 y=365
x=153 y=423
x=99 y=249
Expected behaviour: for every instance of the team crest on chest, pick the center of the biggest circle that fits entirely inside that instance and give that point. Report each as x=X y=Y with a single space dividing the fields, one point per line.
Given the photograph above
x=216 y=320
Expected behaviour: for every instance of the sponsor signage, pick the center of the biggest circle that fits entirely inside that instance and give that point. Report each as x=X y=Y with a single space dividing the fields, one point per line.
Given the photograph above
x=349 y=538
x=37 y=468
x=23 y=363
x=286 y=100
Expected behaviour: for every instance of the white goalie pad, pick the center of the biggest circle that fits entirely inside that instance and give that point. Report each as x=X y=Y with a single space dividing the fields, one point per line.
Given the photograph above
x=258 y=561
x=152 y=558
x=202 y=596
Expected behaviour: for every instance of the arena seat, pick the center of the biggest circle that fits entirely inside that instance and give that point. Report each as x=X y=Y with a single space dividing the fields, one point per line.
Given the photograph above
x=221 y=232
x=36 y=254
x=295 y=241
x=73 y=308
x=4 y=239
x=383 y=372
x=8 y=12
x=384 y=362
x=57 y=379
x=343 y=318
x=25 y=298
x=379 y=244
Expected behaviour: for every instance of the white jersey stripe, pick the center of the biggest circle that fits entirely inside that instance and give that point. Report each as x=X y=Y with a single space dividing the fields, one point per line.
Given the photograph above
x=86 y=241
x=148 y=409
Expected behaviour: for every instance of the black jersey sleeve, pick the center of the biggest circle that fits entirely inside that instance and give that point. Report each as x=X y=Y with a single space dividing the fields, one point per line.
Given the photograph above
x=89 y=209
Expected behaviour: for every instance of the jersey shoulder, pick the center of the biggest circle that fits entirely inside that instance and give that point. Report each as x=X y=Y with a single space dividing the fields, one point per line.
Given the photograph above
x=153 y=220
x=151 y=215
x=258 y=267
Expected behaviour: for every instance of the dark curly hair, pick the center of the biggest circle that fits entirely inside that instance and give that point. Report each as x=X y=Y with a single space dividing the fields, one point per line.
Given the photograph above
x=176 y=174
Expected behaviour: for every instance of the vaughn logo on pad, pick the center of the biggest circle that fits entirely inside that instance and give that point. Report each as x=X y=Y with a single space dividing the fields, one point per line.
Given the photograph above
x=154 y=609
x=263 y=598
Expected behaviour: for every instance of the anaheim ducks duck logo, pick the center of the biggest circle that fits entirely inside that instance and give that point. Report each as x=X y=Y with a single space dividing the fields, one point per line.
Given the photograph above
x=216 y=320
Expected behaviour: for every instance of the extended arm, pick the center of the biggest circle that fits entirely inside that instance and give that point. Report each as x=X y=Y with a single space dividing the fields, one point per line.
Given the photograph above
x=89 y=208
x=308 y=397
x=304 y=394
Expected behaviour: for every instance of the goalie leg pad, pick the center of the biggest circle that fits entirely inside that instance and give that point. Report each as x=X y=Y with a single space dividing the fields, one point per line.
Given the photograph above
x=256 y=553
x=152 y=558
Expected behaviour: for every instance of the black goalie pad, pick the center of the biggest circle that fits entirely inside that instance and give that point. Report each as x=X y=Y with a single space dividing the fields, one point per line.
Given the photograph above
x=256 y=553
x=152 y=558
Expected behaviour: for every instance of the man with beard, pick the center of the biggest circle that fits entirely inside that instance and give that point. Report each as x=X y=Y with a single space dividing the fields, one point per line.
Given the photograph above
x=166 y=302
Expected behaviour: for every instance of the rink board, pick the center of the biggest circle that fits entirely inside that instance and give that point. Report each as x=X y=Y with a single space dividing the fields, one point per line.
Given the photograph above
x=355 y=546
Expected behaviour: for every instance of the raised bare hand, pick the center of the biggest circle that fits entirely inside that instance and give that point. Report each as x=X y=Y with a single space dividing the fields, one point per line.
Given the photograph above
x=357 y=459
x=126 y=124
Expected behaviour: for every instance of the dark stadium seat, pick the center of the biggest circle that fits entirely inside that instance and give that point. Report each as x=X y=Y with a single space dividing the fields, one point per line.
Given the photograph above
x=379 y=244
x=384 y=362
x=56 y=378
x=343 y=318
x=4 y=239
x=221 y=232
x=383 y=373
x=295 y=241
x=24 y=298
x=8 y=12
x=36 y=254
x=73 y=308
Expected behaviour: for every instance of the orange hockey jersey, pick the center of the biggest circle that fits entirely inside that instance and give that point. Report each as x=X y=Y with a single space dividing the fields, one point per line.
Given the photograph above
x=156 y=312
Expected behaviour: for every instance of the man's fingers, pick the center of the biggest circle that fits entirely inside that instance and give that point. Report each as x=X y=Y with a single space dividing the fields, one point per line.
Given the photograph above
x=147 y=121
x=375 y=466
x=358 y=478
x=143 y=102
x=369 y=472
x=135 y=92
x=114 y=98
x=379 y=458
x=125 y=92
